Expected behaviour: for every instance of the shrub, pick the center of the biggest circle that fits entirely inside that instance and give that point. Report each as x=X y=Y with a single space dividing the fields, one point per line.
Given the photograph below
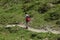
x=12 y=29
x=27 y=1
x=58 y=22
x=47 y=19
x=43 y=9
x=54 y=16
x=33 y=35
x=56 y=2
x=25 y=8
x=39 y=37
x=58 y=38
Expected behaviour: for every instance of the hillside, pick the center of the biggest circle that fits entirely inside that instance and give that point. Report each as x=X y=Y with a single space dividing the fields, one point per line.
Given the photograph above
x=17 y=33
x=44 y=13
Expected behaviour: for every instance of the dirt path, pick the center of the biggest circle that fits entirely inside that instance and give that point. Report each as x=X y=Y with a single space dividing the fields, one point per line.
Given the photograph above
x=37 y=30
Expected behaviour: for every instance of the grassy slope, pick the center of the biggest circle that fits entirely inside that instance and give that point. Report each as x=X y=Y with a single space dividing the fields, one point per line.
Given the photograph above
x=11 y=11
x=25 y=34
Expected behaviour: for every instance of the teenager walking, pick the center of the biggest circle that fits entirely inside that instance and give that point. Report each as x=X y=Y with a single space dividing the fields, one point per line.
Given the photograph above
x=27 y=20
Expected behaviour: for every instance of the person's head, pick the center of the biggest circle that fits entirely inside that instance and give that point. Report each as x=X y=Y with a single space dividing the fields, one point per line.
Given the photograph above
x=27 y=15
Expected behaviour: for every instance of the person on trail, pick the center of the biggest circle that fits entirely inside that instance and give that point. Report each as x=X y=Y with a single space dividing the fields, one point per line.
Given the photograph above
x=27 y=20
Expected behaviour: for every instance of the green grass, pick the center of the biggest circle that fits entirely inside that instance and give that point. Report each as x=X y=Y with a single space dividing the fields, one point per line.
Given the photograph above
x=21 y=33
x=12 y=12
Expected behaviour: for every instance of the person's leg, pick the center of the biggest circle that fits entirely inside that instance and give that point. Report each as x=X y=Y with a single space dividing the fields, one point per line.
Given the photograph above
x=26 y=25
